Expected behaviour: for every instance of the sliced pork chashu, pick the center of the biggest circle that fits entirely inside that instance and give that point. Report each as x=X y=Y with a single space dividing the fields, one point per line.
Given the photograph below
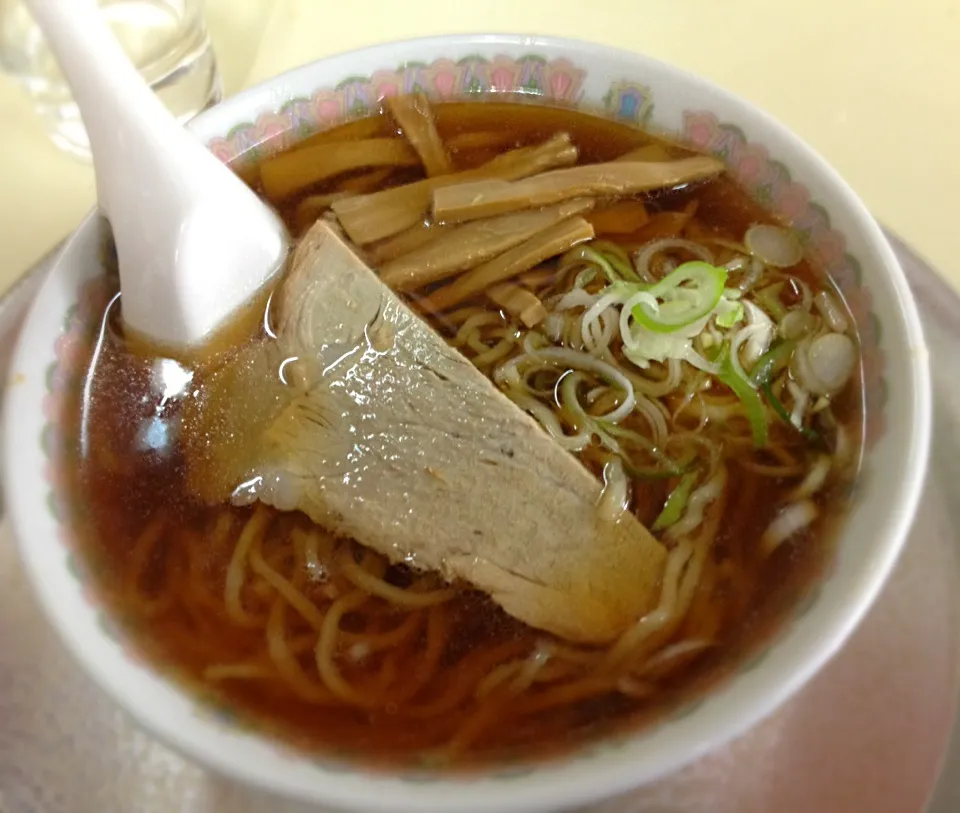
x=385 y=434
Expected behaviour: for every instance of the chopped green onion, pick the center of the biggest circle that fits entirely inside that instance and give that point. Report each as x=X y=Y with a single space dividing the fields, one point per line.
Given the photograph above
x=663 y=466
x=781 y=410
x=594 y=260
x=731 y=314
x=769 y=362
x=752 y=403
x=676 y=502
x=679 y=304
x=769 y=297
x=600 y=260
x=617 y=258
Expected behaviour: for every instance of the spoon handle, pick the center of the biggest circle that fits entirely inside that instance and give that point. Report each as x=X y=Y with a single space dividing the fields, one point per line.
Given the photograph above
x=108 y=90
x=194 y=244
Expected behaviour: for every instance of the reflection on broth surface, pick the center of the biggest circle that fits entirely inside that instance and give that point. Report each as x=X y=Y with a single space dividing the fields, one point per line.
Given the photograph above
x=569 y=469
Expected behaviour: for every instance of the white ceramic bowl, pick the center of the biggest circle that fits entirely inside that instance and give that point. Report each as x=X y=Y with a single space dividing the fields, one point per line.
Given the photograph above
x=776 y=166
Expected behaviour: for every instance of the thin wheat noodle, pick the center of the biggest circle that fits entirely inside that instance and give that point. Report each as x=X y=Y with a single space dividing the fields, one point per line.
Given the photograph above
x=307 y=609
x=475 y=725
x=657 y=618
x=325 y=652
x=286 y=664
x=565 y=694
x=316 y=547
x=496 y=353
x=236 y=570
x=467 y=674
x=377 y=641
x=427 y=663
x=637 y=689
x=460 y=315
x=691 y=578
x=497 y=677
x=555 y=671
x=656 y=388
x=765 y=470
x=386 y=676
x=474 y=322
x=140 y=554
x=671 y=657
x=381 y=589
x=473 y=728
x=198 y=590
x=703 y=618
x=577 y=655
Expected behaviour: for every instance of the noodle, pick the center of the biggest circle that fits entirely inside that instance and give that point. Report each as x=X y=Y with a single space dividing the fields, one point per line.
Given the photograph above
x=396 y=595
x=466 y=676
x=287 y=665
x=236 y=572
x=651 y=623
x=325 y=652
x=140 y=560
x=288 y=592
x=426 y=664
x=373 y=642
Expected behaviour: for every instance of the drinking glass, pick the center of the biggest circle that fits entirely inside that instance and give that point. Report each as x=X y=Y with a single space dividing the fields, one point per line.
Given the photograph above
x=166 y=39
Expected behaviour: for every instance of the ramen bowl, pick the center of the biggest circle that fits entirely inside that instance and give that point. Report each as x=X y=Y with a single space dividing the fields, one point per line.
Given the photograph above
x=784 y=175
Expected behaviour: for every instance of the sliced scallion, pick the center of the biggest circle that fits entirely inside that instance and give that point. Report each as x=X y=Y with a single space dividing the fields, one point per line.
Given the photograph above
x=729 y=315
x=602 y=262
x=688 y=293
x=752 y=403
x=769 y=362
x=781 y=410
x=676 y=502
x=617 y=257
x=769 y=298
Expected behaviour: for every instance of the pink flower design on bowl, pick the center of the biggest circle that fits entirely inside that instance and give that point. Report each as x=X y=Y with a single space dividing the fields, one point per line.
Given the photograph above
x=441 y=78
x=792 y=200
x=830 y=250
x=273 y=128
x=501 y=79
x=699 y=129
x=387 y=83
x=56 y=474
x=223 y=149
x=328 y=108
x=751 y=164
x=504 y=75
x=562 y=81
x=860 y=303
x=52 y=406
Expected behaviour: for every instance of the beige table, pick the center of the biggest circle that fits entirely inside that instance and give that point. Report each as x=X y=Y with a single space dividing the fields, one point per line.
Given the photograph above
x=869 y=83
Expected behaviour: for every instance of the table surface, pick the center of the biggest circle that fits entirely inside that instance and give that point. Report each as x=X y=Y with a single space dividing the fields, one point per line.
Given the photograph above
x=865 y=82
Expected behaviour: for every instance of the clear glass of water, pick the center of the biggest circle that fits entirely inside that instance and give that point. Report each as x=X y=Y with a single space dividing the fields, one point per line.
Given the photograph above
x=166 y=39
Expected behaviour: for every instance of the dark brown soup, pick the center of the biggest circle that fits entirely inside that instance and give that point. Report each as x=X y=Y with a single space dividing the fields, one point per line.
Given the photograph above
x=741 y=441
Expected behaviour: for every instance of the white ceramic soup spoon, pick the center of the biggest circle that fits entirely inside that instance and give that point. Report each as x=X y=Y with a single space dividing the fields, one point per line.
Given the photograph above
x=194 y=243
